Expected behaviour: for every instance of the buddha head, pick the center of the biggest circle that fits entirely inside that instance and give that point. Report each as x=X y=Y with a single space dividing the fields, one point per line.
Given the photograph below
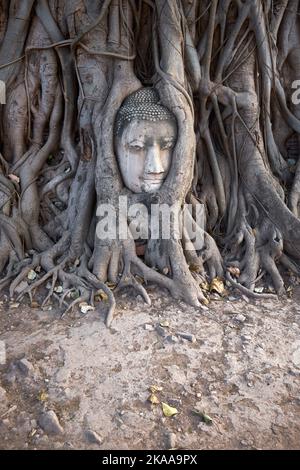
x=146 y=133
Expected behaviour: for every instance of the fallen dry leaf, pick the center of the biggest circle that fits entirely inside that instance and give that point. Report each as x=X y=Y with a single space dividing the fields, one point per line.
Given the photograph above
x=153 y=399
x=100 y=295
x=195 y=268
x=155 y=389
x=16 y=305
x=31 y=275
x=217 y=285
x=290 y=291
x=204 y=286
x=85 y=308
x=43 y=396
x=234 y=271
x=259 y=290
x=168 y=410
x=111 y=285
x=58 y=289
x=140 y=279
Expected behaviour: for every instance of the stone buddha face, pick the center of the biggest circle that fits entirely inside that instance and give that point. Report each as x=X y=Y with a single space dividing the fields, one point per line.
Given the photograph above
x=146 y=134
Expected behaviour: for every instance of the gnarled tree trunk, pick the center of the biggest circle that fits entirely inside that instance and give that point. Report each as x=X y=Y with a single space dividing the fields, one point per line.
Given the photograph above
x=225 y=69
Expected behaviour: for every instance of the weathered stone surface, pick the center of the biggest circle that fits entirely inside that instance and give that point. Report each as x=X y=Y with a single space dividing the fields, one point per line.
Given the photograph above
x=92 y=437
x=161 y=331
x=187 y=336
x=240 y=318
x=49 y=422
x=25 y=366
x=171 y=339
x=146 y=133
x=3 y=400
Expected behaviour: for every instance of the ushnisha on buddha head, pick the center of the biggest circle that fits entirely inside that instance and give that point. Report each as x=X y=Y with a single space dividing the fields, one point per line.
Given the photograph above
x=145 y=133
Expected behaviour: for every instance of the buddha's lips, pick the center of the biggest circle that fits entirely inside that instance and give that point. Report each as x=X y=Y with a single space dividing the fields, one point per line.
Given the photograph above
x=153 y=180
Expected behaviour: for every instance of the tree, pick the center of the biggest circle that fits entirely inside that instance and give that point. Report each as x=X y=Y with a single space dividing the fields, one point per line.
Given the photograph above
x=227 y=70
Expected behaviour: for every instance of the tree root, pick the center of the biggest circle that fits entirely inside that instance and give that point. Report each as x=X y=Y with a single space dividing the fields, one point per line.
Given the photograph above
x=59 y=159
x=248 y=292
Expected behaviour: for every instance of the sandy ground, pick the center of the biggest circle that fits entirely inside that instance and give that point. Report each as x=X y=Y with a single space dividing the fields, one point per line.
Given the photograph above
x=240 y=366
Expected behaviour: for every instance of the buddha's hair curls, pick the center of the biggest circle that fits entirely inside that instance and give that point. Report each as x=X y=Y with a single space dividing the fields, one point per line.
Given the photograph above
x=142 y=105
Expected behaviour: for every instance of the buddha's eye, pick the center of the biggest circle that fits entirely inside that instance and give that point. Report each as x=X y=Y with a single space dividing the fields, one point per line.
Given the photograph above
x=167 y=145
x=137 y=147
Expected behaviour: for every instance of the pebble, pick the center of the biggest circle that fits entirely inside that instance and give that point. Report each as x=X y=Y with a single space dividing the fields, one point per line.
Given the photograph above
x=25 y=366
x=188 y=337
x=161 y=331
x=149 y=327
x=93 y=437
x=49 y=422
x=240 y=318
x=171 y=339
x=3 y=400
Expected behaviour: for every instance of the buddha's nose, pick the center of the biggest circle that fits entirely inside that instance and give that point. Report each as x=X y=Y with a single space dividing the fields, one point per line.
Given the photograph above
x=153 y=164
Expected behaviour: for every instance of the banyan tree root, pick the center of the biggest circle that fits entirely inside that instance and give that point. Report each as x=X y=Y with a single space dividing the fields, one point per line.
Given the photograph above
x=68 y=66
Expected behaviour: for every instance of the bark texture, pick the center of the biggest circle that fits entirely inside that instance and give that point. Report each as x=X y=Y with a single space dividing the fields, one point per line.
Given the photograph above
x=225 y=68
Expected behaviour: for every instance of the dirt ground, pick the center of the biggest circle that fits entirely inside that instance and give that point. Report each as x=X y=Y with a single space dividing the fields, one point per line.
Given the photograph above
x=240 y=366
